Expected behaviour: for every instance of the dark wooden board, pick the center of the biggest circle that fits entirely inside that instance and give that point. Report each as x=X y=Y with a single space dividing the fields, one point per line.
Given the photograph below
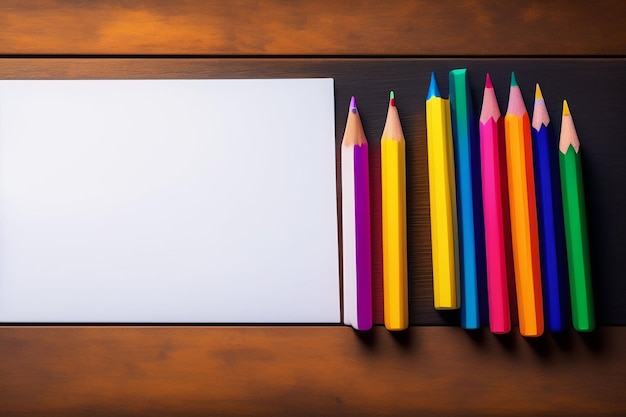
x=306 y=371
x=594 y=89
x=312 y=27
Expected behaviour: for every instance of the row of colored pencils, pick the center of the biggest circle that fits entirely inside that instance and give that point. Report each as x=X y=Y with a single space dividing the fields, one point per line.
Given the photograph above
x=502 y=180
x=357 y=262
x=498 y=218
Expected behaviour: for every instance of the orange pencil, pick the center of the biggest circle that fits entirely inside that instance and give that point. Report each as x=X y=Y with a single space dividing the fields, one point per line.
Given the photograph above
x=524 y=227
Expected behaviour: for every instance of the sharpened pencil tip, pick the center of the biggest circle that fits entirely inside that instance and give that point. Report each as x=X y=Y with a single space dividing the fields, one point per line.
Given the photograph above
x=392 y=98
x=538 y=94
x=433 y=90
x=353 y=105
x=513 y=80
x=565 y=108
x=488 y=82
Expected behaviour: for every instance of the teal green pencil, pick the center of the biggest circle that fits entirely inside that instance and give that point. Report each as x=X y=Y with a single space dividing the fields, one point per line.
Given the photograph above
x=471 y=232
x=574 y=215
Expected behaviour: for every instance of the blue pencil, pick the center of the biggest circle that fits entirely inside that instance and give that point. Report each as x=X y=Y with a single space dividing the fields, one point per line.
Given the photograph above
x=550 y=218
x=472 y=260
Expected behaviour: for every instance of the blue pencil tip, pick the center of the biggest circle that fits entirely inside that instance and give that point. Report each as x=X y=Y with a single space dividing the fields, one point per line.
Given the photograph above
x=433 y=90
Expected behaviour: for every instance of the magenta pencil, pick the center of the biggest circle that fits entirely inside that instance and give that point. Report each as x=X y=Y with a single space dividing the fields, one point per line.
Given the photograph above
x=357 y=247
x=490 y=127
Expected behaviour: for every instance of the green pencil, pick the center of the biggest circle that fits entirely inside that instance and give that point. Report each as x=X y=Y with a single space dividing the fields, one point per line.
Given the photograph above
x=575 y=225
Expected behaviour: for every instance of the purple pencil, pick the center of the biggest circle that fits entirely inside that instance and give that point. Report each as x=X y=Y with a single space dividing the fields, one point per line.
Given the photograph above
x=357 y=245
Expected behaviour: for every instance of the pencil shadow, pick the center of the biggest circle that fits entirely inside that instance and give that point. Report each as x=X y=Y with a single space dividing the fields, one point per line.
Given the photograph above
x=563 y=340
x=477 y=335
x=540 y=345
x=403 y=338
x=566 y=341
x=370 y=339
x=507 y=341
x=450 y=317
x=595 y=341
x=367 y=338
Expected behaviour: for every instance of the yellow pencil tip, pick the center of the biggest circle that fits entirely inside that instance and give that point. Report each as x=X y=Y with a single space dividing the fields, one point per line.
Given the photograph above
x=565 y=108
x=538 y=94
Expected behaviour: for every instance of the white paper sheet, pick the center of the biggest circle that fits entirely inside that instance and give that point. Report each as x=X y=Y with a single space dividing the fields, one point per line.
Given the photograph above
x=174 y=201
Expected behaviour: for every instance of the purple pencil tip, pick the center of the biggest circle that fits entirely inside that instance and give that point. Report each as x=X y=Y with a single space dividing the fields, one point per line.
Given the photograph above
x=353 y=105
x=488 y=82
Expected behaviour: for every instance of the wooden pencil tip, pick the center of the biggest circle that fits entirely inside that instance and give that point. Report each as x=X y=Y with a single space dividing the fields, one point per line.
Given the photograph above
x=513 y=80
x=392 y=98
x=353 y=105
x=565 y=108
x=488 y=82
x=538 y=94
x=433 y=90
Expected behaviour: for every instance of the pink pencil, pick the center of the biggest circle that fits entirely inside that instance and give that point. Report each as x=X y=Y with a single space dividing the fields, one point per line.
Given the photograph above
x=357 y=249
x=491 y=143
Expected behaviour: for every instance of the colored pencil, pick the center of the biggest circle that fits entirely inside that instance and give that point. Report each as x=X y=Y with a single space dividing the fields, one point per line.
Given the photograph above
x=523 y=208
x=443 y=222
x=550 y=216
x=575 y=225
x=393 y=179
x=471 y=233
x=493 y=184
x=357 y=247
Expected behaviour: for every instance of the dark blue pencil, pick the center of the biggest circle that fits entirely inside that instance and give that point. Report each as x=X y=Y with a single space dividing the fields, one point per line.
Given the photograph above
x=550 y=218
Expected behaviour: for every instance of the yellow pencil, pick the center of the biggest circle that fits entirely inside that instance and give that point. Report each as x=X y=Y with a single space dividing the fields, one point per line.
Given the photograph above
x=442 y=191
x=393 y=181
x=524 y=227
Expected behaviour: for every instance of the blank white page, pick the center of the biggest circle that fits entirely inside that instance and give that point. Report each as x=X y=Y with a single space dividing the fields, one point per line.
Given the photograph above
x=168 y=201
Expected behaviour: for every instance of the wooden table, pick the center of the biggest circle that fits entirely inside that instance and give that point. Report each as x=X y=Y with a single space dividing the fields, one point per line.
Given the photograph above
x=300 y=370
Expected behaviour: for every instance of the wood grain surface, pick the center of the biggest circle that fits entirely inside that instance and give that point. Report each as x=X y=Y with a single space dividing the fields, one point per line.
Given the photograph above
x=287 y=371
x=433 y=371
x=313 y=27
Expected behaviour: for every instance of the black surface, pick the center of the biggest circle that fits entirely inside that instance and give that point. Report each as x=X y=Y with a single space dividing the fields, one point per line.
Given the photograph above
x=594 y=89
